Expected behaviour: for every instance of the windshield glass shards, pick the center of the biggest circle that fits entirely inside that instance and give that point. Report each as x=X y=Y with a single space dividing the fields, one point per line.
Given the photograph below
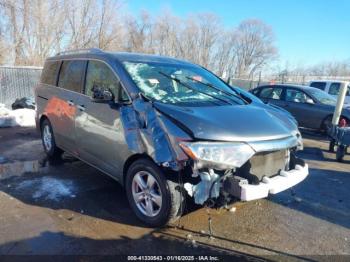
x=181 y=84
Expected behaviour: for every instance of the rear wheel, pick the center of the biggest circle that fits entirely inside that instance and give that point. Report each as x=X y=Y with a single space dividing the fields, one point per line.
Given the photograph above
x=48 y=140
x=155 y=200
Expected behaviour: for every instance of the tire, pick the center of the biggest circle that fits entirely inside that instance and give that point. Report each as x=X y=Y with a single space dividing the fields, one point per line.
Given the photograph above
x=340 y=153
x=154 y=193
x=48 y=140
x=326 y=124
x=331 y=145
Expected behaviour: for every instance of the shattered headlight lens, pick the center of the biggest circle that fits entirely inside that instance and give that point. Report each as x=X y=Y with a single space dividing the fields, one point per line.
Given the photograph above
x=218 y=153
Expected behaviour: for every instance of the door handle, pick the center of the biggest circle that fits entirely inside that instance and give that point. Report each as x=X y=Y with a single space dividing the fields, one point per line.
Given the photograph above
x=81 y=107
x=70 y=102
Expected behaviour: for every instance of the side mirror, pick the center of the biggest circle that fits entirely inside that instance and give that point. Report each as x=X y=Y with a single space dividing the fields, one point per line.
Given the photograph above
x=101 y=94
x=310 y=101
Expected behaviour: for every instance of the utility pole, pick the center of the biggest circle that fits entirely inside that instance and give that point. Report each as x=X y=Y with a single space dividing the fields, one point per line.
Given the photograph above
x=340 y=103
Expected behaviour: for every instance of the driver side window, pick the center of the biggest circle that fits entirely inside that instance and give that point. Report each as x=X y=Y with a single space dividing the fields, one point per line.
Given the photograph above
x=100 y=75
x=297 y=96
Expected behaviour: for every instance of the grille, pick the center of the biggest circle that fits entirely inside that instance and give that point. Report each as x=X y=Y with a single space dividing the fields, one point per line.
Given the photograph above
x=264 y=164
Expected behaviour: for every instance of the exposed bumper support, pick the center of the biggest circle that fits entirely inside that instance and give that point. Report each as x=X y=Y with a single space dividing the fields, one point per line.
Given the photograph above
x=274 y=185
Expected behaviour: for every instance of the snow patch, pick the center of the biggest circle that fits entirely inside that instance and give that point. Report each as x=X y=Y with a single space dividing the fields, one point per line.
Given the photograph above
x=18 y=117
x=49 y=188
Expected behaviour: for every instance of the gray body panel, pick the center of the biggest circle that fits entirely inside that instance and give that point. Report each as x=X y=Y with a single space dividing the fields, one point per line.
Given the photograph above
x=100 y=136
x=229 y=123
x=106 y=135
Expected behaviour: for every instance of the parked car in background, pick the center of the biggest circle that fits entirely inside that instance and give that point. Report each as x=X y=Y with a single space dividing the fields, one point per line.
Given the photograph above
x=164 y=128
x=332 y=87
x=311 y=107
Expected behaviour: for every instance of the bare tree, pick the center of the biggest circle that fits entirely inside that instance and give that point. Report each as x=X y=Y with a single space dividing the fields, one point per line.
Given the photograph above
x=3 y=43
x=80 y=19
x=253 y=46
x=37 y=29
x=138 y=34
x=34 y=29
x=43 y=34
x=209 y=27
x=15 y=16
x=165 y=32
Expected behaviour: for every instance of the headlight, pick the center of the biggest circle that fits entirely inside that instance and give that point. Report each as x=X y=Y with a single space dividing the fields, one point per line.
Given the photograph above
x=300 y=145
x=219 y=154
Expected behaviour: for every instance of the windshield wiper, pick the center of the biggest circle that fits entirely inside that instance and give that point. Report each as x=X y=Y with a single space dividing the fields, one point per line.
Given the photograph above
x=238 y=95
x=190 y=87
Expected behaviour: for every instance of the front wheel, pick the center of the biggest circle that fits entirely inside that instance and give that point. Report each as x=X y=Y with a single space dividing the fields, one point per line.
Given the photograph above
x=331 y=145
x=155 y=200
x=326 y=125
x=341 y=150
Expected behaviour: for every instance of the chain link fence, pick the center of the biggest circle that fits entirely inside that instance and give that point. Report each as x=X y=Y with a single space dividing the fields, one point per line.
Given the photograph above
x=17 y=82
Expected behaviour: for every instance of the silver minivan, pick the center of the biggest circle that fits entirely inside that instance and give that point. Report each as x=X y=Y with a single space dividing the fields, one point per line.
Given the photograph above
x=165 y=129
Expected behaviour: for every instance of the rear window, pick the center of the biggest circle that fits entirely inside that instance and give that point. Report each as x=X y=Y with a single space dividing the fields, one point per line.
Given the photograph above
x=335 y=88
x=71 y=75
x=49 y=73
x=319 y=85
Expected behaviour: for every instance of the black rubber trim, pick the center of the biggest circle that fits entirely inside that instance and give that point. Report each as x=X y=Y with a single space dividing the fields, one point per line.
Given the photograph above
x=43 y=97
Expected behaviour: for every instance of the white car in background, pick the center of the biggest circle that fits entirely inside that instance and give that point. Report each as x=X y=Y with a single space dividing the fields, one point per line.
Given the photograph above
x=332 y=87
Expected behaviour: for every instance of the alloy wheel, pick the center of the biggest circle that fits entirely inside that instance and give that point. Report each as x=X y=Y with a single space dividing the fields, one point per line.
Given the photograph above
x=47 y=138
x=146 y=193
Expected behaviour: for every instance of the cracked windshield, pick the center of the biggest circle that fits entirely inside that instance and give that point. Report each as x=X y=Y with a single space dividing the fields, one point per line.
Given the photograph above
x=181 y=84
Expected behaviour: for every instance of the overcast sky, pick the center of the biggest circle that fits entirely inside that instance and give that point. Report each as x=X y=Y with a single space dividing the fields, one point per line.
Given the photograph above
x=306 y=31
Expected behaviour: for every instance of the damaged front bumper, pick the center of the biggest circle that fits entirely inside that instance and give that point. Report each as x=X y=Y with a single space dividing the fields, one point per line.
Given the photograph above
x=265 y=173
x=212 y=185
x=274 y=185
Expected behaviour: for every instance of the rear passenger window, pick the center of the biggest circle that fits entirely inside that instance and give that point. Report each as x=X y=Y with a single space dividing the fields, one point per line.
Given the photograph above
x=49 y=73
x=271 y=93
x=319 y=85
x=71 y=75
x=99 y=74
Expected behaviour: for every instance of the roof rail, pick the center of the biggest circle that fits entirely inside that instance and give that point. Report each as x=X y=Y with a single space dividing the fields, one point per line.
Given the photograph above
x=80 y=51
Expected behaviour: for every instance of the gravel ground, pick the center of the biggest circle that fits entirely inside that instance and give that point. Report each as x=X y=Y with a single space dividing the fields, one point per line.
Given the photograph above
x=72 y=208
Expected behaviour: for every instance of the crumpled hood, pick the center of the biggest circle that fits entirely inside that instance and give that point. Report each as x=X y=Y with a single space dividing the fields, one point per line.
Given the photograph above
x=231 y=123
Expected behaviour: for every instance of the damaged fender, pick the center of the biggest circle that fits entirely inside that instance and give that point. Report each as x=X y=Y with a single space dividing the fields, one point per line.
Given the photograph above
x=147 y=131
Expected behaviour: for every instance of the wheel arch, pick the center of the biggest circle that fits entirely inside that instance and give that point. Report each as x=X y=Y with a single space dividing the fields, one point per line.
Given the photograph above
x=41 y=120
x=131 y=159
x=331 y=116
